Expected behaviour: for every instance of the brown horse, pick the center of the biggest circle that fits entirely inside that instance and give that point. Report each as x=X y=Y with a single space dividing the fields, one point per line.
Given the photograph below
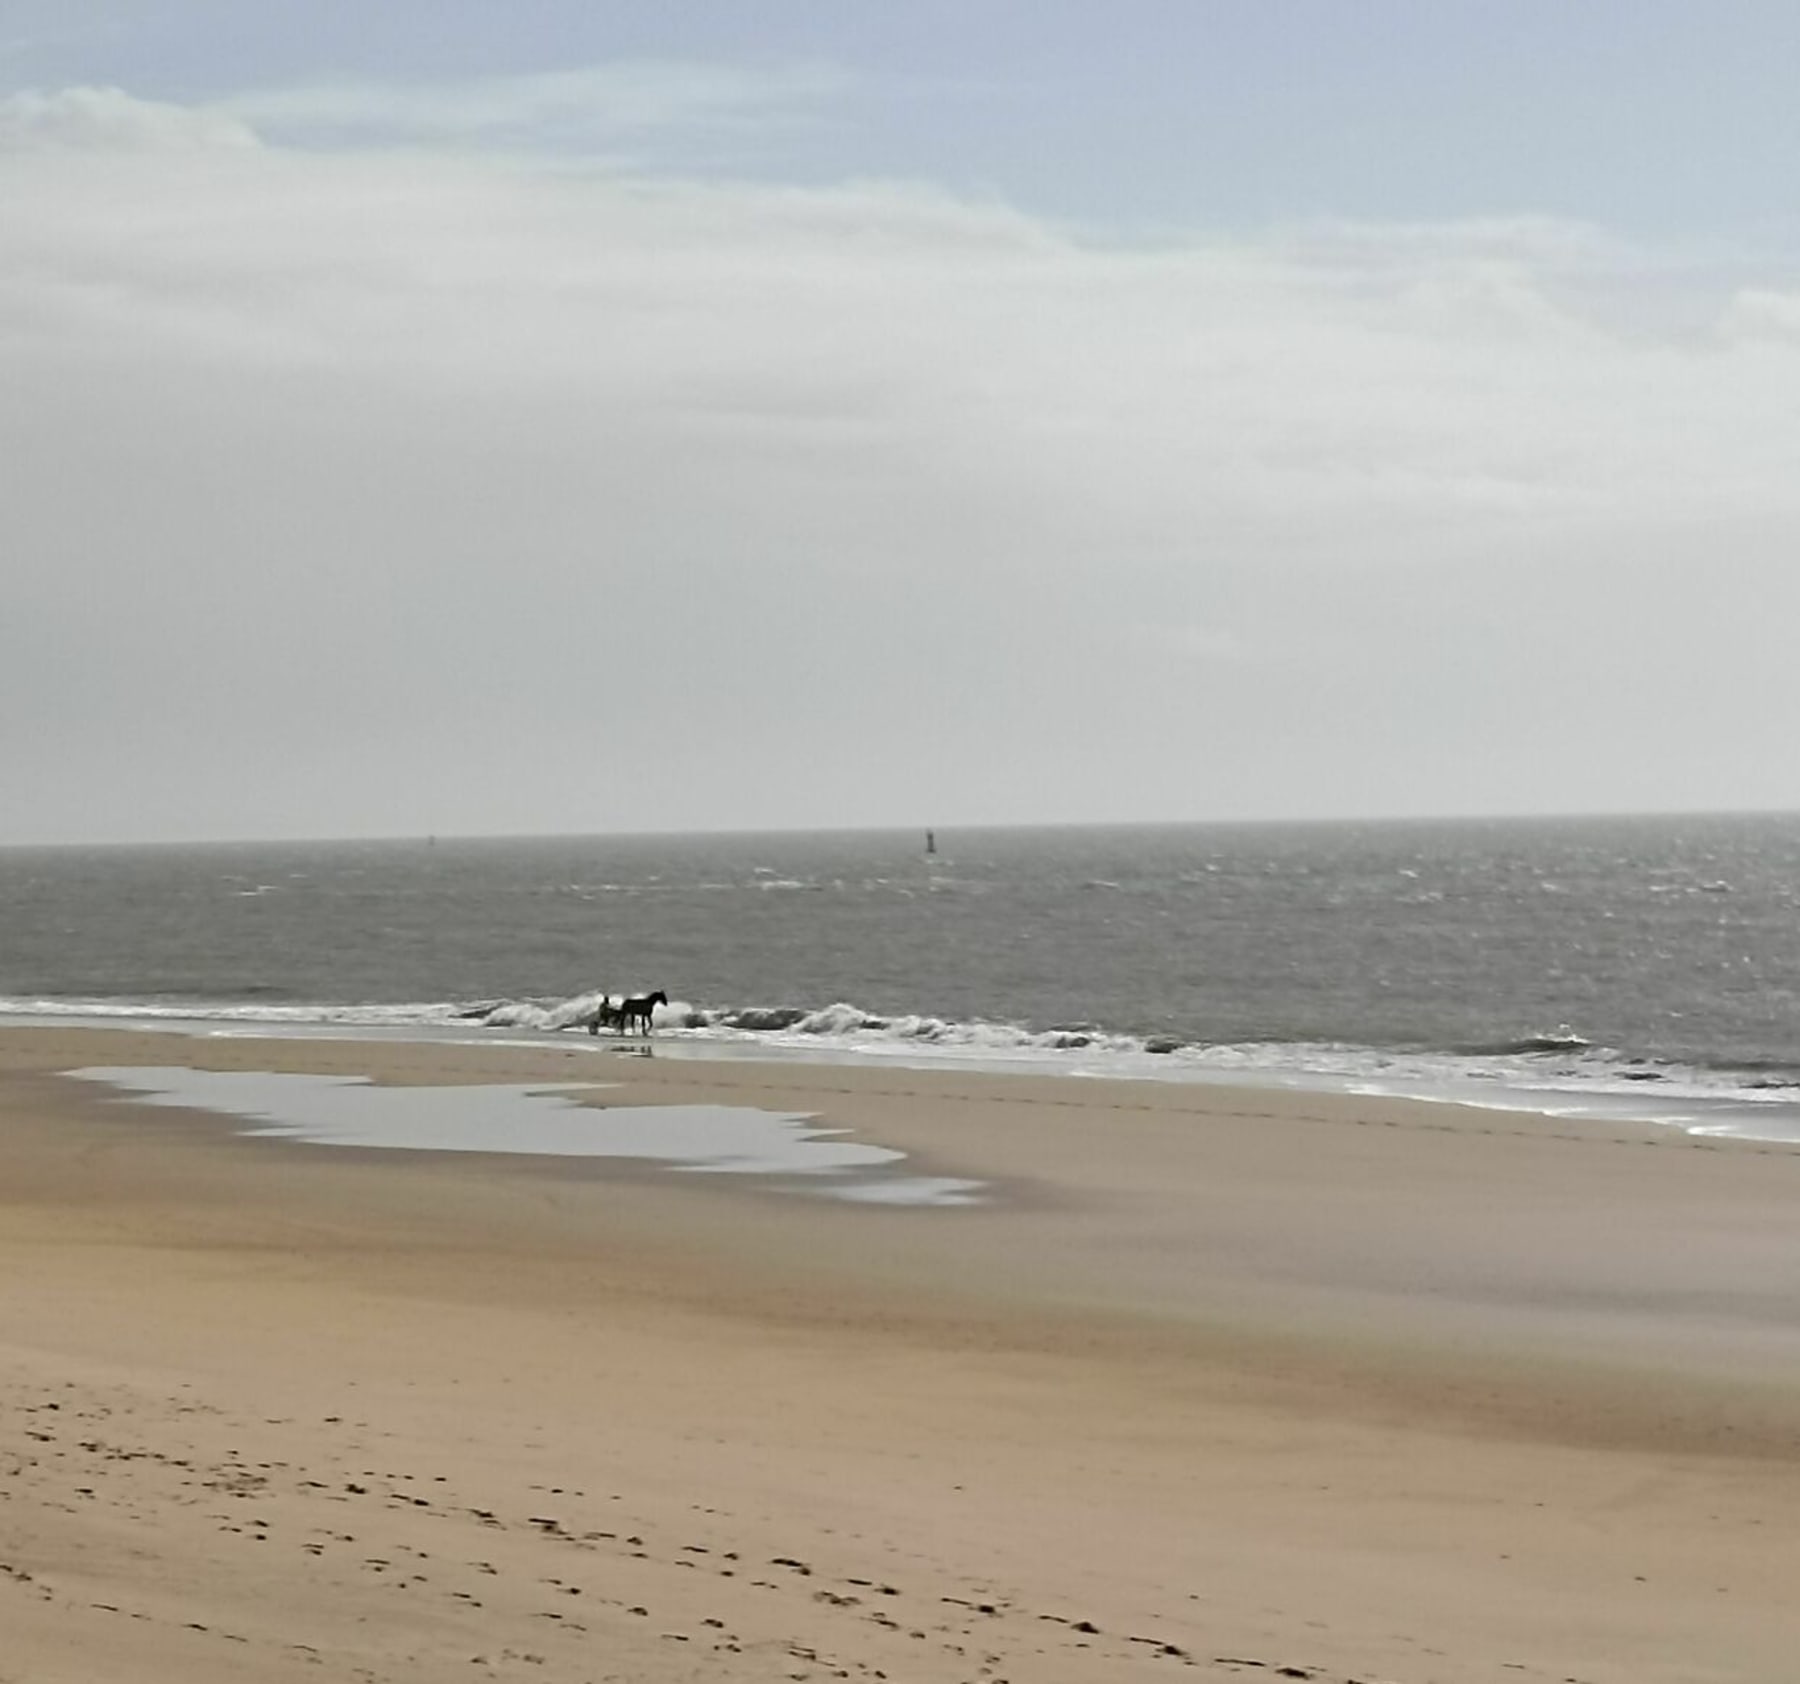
x=639 y=1012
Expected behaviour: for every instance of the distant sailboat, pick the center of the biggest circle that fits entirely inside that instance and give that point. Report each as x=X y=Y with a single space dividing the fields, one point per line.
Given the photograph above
x=931 y=841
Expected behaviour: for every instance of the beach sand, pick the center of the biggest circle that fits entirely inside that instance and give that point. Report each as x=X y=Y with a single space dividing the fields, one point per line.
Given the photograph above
x=1217 y=1383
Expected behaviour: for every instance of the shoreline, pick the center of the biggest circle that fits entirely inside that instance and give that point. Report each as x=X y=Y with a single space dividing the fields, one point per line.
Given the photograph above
x=1762 y=1112
x=1358 y=1385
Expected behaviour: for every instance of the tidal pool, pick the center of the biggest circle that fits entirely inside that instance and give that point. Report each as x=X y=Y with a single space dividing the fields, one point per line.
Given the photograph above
x=538 y=1120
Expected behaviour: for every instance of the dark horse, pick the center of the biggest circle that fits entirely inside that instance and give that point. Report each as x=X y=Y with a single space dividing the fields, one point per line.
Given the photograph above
x=606 y=1015
x=639 y=1011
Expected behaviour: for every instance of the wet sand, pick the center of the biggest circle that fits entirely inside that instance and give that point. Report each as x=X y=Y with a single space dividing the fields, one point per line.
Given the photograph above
x=1220 y=1382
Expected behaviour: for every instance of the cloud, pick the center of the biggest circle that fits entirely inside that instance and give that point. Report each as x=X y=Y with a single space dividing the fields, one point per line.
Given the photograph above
x=111 y=120
x=593 y=106
x=1339 y=387
x=343 y=461
x=1758 y=313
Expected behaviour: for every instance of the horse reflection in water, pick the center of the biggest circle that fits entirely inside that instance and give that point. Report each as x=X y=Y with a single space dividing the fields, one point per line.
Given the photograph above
x=635 y=1015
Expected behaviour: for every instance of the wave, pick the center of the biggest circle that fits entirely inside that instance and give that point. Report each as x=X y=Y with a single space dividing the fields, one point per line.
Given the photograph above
x=1560 y=1039
x=1557 y=1070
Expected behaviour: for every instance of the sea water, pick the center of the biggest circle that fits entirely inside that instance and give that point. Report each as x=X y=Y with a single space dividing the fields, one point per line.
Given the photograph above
x=1645 y=966
x=793 y=1152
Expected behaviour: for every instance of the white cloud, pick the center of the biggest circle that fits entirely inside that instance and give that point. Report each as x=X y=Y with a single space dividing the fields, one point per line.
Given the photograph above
x=354 y=461
x=1762 y=313
x=599 y=105
x=109 y=119
x=1468 y=373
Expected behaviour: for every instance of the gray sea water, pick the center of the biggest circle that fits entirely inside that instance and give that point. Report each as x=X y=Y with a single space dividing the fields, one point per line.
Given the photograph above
x=1646 y=965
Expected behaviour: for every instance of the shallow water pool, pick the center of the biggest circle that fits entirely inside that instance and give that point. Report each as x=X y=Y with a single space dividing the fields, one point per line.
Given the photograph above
x=540 y=1121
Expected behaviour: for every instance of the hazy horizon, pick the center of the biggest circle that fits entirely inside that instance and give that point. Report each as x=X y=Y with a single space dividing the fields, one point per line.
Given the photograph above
x=945 y=832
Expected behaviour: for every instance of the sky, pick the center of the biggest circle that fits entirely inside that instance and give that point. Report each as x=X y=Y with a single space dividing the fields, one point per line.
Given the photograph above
x=569 y=416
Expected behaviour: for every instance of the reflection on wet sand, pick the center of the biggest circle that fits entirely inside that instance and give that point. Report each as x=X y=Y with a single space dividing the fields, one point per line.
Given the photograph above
x=522 y=1118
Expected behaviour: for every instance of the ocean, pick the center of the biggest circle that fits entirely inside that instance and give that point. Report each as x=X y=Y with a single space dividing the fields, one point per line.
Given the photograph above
x=1607 y=967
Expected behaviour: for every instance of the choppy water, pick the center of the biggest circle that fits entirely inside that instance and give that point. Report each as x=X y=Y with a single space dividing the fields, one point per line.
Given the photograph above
x=1653 y=963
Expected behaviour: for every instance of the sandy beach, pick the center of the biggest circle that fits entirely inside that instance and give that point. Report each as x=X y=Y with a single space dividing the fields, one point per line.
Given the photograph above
x=1225 y=1383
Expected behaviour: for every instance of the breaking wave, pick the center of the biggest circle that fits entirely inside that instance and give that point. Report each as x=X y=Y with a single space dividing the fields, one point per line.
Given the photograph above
x=1555 y=1071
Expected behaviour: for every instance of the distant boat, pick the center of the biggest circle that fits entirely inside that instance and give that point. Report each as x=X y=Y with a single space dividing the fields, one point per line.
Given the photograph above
x=931 y=841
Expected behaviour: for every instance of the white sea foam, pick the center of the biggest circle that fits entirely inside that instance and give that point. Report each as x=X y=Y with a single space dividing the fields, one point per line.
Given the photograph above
x=1554 y=1071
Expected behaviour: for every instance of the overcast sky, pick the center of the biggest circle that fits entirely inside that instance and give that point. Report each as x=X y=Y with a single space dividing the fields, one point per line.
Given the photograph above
x=581 y=415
